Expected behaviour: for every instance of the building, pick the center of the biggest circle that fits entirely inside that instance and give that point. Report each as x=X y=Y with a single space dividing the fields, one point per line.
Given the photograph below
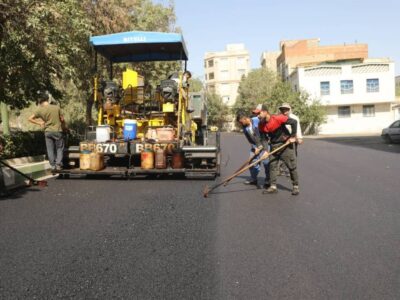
x=224 y=71
x=359 y=95
x=396 y=107
x=308 y=52
x=358 y=92
x=268 y=60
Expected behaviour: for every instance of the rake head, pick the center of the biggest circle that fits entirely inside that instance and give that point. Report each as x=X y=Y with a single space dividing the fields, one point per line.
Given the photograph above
x=206 y=190
x=40 y=183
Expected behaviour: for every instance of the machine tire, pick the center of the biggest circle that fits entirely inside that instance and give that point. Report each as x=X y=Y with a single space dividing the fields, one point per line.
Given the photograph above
x=387 y=139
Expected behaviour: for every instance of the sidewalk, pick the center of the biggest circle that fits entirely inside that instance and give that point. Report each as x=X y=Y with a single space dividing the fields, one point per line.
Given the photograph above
x=34 y=166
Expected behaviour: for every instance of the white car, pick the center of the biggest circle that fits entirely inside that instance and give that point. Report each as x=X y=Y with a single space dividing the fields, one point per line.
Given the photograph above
x=392 y=133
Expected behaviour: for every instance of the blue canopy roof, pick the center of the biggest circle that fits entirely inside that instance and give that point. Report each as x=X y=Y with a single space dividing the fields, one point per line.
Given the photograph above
x=137 y=46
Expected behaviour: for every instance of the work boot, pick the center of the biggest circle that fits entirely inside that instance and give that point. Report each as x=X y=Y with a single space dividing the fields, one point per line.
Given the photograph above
x=250 y=182
x=271 y=190
x=295 y=190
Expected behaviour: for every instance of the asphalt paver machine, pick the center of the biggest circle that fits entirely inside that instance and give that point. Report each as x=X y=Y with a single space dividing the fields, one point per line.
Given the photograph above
x=144 y=130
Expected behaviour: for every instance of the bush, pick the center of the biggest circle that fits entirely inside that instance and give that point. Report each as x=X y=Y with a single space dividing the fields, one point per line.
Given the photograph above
x=26 y=143
x=22 y=143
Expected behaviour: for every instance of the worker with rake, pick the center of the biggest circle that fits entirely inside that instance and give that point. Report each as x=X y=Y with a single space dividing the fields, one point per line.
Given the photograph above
x=274 y=126
x=250 y=130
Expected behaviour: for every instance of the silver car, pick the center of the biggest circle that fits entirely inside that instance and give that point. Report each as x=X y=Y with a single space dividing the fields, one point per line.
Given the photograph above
x=392 y=133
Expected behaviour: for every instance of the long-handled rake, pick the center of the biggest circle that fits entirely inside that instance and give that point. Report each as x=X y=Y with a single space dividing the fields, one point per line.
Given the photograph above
x=208 y=189
x=242 y=166
x=40 y=183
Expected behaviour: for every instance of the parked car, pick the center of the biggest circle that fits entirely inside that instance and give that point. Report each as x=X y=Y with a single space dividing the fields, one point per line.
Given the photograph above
x=392 y=133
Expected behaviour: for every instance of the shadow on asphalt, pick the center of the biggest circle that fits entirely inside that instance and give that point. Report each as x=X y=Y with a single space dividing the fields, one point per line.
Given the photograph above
x=369 y=142
x=18 y=193
x=136 y=178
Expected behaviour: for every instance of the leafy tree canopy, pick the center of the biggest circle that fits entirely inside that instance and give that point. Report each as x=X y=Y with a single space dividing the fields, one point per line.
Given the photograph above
x=217 y=111
x=44 y=45
x=263 y=86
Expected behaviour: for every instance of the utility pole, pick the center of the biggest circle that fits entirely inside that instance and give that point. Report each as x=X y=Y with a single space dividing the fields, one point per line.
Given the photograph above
x=4 y=118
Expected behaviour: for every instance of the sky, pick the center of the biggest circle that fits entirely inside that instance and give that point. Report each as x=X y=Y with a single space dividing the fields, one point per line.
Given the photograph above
x=208 y=25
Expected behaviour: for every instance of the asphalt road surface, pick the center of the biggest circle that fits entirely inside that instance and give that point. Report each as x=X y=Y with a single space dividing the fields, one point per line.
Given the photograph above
x=160 y=239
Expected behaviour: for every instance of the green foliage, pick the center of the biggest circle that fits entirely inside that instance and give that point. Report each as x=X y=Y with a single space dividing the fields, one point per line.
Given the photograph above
x=254 y=89
x=28 y=143
x=262 y=86
x=37 y=46
x=20 y=144
x=217 y=111
x=398 y=89
x=44 y=44
x=196 y=85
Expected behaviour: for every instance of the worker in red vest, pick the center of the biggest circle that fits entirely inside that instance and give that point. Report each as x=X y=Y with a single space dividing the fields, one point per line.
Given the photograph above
x=274 y=126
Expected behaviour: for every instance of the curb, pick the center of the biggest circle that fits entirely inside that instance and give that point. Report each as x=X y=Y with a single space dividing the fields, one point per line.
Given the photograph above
x=33 y=166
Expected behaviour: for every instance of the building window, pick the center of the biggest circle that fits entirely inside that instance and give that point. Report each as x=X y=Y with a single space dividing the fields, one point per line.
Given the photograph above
x=344 y=112
x=225 y=99
x=346 y=86
x=223 y=63
x=206 y=76
x=373 y=85
x=241 y=72
x=210 y=63
x=325 y=88
x=211 y=76
x=224 y=88
x=224 y=75
x=211 y=89
x=368 y=110
x=241 y=61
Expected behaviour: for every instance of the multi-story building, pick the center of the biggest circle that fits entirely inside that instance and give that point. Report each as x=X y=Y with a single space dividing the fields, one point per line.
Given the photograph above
x=308 y=52
x=358 y=92
x=396 y=107
x=268 y=60
x=224 y=71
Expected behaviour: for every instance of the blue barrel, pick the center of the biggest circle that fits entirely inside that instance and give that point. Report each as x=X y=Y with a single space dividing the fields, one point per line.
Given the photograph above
x=130 y=129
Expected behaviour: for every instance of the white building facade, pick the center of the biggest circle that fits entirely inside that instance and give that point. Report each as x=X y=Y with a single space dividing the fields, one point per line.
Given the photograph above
x=359 y=96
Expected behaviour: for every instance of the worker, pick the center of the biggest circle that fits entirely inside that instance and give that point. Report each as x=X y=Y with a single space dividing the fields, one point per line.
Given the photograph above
x=49 y=118
x=250 y=130
x=286 y=110
x=275 y=127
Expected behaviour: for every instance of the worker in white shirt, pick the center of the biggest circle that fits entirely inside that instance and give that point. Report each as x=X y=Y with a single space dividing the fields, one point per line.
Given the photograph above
x=286 y=110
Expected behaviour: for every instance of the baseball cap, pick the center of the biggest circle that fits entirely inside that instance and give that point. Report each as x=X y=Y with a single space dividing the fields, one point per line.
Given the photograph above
x=285 y=105
x=259 y=108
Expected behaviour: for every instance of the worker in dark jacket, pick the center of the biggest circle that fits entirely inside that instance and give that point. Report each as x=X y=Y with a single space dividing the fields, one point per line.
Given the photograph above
x=250 y=130
x=275 y=127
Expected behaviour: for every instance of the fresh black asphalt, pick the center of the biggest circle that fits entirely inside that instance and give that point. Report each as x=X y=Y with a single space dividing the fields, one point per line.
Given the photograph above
x=160 y=239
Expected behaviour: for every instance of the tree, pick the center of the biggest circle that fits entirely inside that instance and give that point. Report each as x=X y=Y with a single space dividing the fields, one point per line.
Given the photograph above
x=44 y=44
x=310 y=112
x=263 y=86
x=37 y=45
x=196 y=85
x=254 y=89
x=216 y=110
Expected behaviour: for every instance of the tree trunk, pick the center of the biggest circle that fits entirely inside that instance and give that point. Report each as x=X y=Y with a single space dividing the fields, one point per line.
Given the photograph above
x=4 y=118
x=89 y=106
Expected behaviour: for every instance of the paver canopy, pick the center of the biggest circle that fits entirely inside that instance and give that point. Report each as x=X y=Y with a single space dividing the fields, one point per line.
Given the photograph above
x=139 y=46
